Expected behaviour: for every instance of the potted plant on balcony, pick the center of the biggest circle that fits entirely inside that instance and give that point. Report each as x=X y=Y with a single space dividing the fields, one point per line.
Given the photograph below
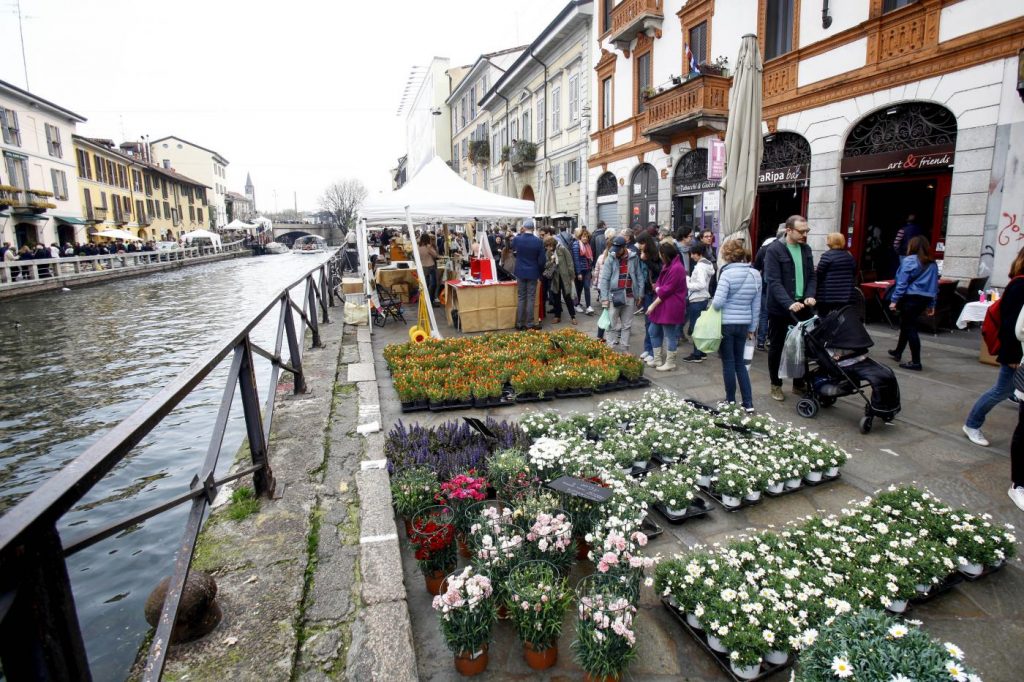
x=719 y=67
x=504 y=154
x=479 y=152
x=523 y=155
x=649 y=92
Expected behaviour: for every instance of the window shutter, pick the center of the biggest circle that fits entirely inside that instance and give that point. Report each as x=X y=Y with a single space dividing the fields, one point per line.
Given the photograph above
x=56 y=183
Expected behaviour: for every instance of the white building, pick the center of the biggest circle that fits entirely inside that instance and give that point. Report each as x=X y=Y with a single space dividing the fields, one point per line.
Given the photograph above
x=873 y=110
x=198 y=163
x=428 y=126
x=39 y=198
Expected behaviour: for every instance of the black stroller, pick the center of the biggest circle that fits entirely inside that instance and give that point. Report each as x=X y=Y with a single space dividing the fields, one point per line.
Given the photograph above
x=838 y=365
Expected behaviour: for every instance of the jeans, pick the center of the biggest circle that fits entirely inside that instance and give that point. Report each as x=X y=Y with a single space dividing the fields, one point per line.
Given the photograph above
x=911 y=307
x=583 y=287
x=526 y=307
x=734 y=338
x=622 y=323
x=693 y=311
x=762 y=321
x=992 y=397
x=664 y=333
x=558 y=294
x=1017 y=449
x=648 y=345
x=431 y=275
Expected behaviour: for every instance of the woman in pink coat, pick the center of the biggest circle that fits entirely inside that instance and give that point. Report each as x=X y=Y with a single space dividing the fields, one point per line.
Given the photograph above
x=667 y=313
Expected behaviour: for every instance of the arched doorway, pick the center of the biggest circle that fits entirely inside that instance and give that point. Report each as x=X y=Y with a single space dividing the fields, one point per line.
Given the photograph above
x=781 y=183
x=608 y=200
x=65 y=234
x=643 y=196
x=143 y=235
x=897 y=167
x=527 y=193
x=26 y=234
x=690 y=184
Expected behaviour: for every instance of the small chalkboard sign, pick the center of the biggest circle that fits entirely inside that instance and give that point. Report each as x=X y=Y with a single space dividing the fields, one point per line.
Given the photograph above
x=577 y=487
x=480 y=428
x=556 y=344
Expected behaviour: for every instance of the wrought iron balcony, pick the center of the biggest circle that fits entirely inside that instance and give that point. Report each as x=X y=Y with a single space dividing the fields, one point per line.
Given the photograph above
x=633 y=16
x=144 y=220
x=698 y=104
x=96 y=214
x=523 y=155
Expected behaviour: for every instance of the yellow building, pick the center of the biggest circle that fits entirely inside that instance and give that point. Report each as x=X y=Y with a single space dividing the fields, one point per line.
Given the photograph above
x=122 y=189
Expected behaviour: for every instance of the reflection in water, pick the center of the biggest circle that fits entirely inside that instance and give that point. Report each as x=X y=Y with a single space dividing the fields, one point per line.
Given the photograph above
x=82 y=361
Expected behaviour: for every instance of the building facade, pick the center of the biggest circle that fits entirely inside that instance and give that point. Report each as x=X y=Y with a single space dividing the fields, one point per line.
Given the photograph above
x=471 y=140
x=39 y=200
x=239 y=207
x=121 y=189
x=874 y=111
x=540 y=118
x=428 y=129
x=201 y=164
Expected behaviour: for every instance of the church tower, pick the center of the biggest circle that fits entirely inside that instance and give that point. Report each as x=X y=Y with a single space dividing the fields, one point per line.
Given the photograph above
x=250 y=191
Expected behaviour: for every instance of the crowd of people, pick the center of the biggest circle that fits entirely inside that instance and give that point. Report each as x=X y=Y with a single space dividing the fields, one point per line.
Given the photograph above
x=10 y=254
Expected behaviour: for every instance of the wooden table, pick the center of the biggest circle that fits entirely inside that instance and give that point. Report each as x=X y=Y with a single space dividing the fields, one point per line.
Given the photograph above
x=876 y=291
x=482 y=307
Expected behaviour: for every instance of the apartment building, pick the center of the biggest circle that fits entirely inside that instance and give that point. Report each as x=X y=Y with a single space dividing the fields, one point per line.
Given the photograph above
x=199 y=163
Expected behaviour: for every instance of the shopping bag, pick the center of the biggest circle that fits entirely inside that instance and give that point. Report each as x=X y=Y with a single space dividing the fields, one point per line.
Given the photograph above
x=793 y=362
x=605 y=320
x=707 y=333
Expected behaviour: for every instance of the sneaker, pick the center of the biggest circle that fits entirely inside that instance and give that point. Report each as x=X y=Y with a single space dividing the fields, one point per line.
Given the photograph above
x=579 y=308
x=976 y=436
x=693 y=358
x=645 y=355
x=748 y=410
x=589 y=310
x=1016 y=494
x=761 y=347
x=777 y=393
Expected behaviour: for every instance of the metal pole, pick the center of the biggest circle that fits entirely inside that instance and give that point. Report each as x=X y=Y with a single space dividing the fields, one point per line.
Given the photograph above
x=263 y=479
x=294 y=349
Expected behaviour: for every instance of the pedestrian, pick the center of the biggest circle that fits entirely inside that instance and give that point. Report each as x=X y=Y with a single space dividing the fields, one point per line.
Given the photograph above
x=909 y=230
x=619 y=287
x=789 y=276
x=562 y=276
x=684 y=243
x=428 y=259
x=916 y=291
x=1016 y=491
x=650 y=269
x=583 y=260
x=738 y=297
x=9 y=257
x=600 y=238
x=837 y=270
x=667 y=311
x=707 y=245
x=530 y=259
x=762 y=322
x=698 y=286
x=599 y=268
x=1009 y=356
x=351 y=251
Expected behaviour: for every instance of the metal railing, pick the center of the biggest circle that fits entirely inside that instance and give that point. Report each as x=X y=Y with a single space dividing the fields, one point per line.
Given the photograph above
x=40 y=637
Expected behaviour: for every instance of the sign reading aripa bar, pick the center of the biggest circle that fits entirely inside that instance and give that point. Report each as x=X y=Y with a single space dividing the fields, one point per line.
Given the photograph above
x=782 y=176
x=938 y=157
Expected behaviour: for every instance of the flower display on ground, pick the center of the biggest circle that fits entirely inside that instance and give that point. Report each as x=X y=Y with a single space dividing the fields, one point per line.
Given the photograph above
x=466 y=611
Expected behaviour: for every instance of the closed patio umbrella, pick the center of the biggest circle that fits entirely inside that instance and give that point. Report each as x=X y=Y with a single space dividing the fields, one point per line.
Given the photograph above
x=743 y=144
x=548 y=207
x=508 y=182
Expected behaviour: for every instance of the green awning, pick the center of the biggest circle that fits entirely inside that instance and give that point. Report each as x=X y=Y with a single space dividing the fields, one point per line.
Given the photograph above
x=69 y=219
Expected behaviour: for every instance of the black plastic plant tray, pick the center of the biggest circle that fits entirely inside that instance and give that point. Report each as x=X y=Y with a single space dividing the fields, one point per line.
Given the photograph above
x=533 y=398
x=698 y=508
x=415 y=406
x=951 y=581
x=650 y=528
x=700 y=406
x=448 y=407
x=717 y=497
x=824 y=479
x=767 y=670
x=640 y=472
x=989 y=570
x=574 y=393
x=661 y=459
x=640 y=382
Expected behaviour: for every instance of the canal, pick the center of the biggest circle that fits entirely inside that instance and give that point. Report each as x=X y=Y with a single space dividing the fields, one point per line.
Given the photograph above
x=75 y=363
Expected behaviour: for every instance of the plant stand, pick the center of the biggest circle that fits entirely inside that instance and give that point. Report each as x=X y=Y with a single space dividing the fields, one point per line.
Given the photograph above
x=717 y=497
x=698 y=508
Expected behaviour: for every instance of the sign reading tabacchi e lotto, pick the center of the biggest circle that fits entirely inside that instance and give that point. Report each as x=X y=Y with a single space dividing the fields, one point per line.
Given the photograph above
x=937 y=157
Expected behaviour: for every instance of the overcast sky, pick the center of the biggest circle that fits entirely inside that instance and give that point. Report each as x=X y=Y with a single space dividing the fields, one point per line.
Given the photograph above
x=298 y=93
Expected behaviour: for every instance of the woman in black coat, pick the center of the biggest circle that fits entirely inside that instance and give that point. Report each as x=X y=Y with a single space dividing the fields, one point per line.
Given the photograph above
x=836 y=272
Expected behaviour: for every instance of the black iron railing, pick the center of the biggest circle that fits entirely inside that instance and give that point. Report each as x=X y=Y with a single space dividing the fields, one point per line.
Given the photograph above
x=40 y=638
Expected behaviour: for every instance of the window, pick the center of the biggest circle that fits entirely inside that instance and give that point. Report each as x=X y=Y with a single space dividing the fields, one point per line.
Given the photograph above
x=572 y=171
x=527 y=131
x=606 y=103
x=140 y=214
x=199 y=214
x=60 y=184
x=462 y=113
x=574 y=98
x=472 y=103
x=556 y=109
x=778 y=32
x=163 y=188
x=99 y=167
x=167 y=211
x=890 y=5
x=103 y=200
x=149 y=208
x=9 y=126
x=643 y=80
x=136 y=180
x=699 y=44
x=556 y=174
x=149 y=185
x=17 y=170
x=84 y=167
x=540 y=118
x=88 y=202
x=455 y=157
x=53 y=141
x=191 y=214
x=606 y=7
x=513 y=130
x=127 y=205
x=465 y=149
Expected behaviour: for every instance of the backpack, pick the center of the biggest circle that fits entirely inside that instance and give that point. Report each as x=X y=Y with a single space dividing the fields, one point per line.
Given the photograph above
x=713 y=282
x=993 y=322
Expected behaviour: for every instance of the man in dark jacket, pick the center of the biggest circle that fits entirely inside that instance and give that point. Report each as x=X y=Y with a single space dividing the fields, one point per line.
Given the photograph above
x=530 y=259
x=789 y=278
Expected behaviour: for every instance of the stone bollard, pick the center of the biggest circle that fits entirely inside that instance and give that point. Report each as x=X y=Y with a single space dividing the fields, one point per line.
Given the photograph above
x=198 y=611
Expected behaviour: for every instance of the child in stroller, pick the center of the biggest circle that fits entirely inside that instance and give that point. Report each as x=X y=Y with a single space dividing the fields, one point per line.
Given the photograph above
x=838 y=365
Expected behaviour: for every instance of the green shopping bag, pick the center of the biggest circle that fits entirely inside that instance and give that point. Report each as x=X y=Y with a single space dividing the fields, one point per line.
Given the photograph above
x=707 y=333
x=605 y=320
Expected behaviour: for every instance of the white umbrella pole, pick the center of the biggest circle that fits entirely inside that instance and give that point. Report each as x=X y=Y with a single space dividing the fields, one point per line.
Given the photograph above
x=434 y=331
x=364 y=260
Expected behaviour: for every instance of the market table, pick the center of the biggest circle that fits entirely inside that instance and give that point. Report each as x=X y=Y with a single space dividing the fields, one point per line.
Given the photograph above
x=400 y=280
x=481 y=307
x=875 y=291
x=973 y=312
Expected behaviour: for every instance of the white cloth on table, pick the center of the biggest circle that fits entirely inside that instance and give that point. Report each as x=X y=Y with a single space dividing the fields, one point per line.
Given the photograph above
x=973 y=312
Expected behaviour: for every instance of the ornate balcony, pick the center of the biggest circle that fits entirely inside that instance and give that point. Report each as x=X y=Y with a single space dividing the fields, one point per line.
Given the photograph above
x=634 y=16
x=96 y=214
x=699 y=104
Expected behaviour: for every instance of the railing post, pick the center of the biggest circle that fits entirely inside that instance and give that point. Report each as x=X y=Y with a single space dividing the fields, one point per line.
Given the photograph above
x=311 y=301
x=40 y=638
x=294 y=349
x=263 y=480
x=322 y=295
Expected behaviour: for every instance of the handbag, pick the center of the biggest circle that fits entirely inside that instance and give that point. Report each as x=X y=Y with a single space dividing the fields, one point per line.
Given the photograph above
x=618 y=297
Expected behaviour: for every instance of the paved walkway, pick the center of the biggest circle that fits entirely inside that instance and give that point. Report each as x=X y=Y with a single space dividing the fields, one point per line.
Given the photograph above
x=924 y=446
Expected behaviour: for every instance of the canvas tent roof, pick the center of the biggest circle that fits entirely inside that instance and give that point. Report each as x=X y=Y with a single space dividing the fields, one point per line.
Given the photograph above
x=240 y=225
x=437 y=193
x=202 y=234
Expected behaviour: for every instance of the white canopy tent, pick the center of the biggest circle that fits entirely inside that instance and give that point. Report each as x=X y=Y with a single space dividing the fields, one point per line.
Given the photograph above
x=435 y=194
x=240 y=226
x=202 y=234
x=117 y=234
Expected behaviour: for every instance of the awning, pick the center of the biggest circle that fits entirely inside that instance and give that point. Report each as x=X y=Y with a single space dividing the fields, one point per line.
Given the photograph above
x=69 y=220
x=23 y=217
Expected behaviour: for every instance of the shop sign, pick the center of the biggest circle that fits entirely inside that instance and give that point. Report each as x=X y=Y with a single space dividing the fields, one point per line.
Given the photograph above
x=711 y=202
x=693 y=187
x=938 y=157
x=780 y=176
x=716 y=160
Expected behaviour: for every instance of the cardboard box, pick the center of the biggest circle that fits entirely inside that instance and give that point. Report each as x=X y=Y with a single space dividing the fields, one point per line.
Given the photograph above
x=352 y=285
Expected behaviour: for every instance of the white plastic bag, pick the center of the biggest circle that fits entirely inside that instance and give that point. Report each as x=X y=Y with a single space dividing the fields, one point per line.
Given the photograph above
x=793 y=364
x=748 y=352
x=357 y=313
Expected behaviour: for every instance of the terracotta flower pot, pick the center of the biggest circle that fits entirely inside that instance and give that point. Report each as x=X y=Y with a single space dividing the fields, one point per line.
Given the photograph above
x=582 y=549
x=435 y=582
x=408 y=529
x=464 y=549
x=502 y=612
x=540 y=659
x=468 y=664
x=587 y=677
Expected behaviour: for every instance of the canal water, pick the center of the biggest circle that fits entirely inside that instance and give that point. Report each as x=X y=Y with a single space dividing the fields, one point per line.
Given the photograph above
x=73 y=364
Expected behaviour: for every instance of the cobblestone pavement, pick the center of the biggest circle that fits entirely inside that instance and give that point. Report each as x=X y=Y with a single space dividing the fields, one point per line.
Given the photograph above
x=924 y=446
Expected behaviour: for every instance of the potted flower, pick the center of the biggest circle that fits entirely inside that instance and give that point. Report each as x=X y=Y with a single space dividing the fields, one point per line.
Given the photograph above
x=467 y=613
x=510 y=473
x=433 y=541
x=413 y=489
x=746 y=648
x=460 y=492
x=674 y=488
x=648 y=92
x=605 y=641
x=549 y=538
x=733 y=483
x=537 y=597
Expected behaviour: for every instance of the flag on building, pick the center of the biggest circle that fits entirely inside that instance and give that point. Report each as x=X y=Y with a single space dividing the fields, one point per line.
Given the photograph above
x=691 y=60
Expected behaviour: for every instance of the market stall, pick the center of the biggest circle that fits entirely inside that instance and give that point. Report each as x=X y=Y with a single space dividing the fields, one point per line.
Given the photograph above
x=481 y=307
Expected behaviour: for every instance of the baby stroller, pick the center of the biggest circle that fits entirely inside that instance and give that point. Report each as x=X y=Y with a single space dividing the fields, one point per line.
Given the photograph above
x=836 y=348
x=389 y=305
